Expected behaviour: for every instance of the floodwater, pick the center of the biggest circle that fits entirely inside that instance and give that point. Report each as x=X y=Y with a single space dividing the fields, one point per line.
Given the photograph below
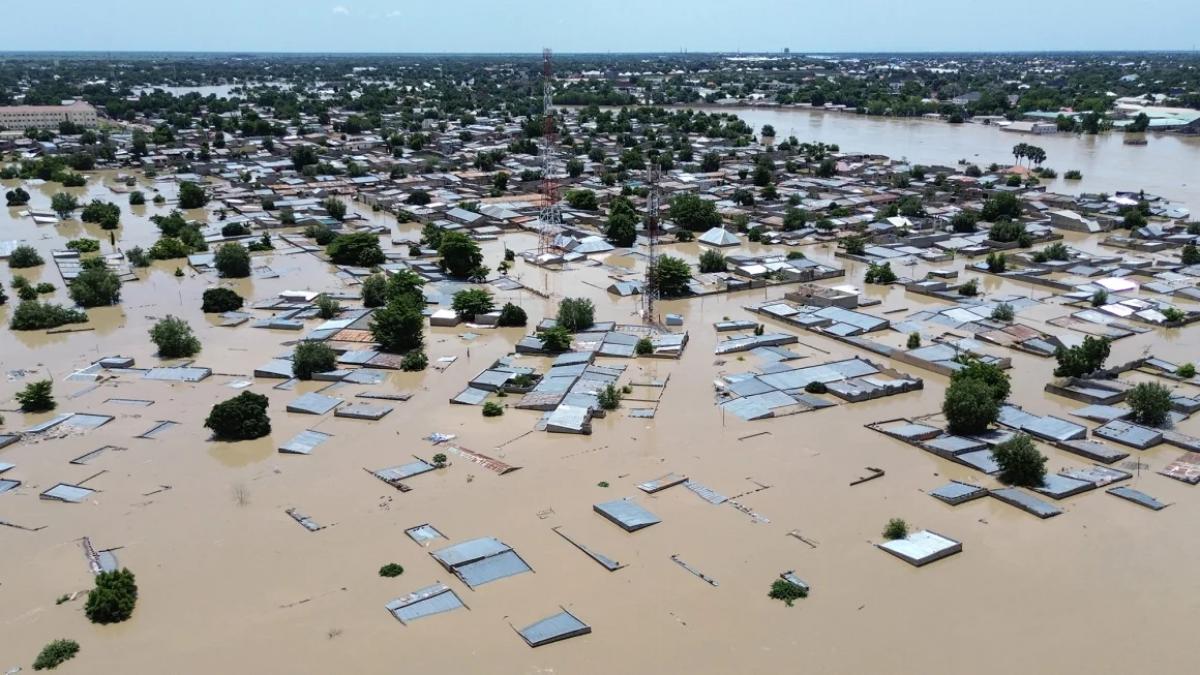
x=229 y=583
x=1165 y=166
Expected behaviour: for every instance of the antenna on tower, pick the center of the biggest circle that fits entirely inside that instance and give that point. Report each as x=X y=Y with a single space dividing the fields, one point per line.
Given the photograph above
x=551 y=215
x=650 y=290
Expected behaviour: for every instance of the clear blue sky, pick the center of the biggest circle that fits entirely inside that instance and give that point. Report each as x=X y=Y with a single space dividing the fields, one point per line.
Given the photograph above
x=600 y=26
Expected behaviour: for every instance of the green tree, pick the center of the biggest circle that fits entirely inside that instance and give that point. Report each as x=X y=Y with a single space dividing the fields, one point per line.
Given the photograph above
x=969 y=406
x=794 y=219
x=512 y=315
x=191 y=195
x=788 y=592
x=461 y=256
x=174 y=338
x=335 y=207
x=609 y=398
x=622 y=223
x=1003 y=312
x=471 y=302
x=710 y=162
x=1020 y=462
x=327 y=307
x=113 y=598
x=644 y=347
x=996 y=379
x=232 y=261
x=1082 y=359
x=359 y=249
x=1002 y=205
x=243 y=417
x=582 y=199
x=1150 y=403
x=694 y=213
x=37 y=397
x=95 y=285
x=576 y=314
x=374 y=291
x=1007 y=231
x=34 y=315
x=312 y=357
x=555 y=339
x=671 y=276
x=399 y=326
x=896 y=528
x=492 y=409
x=964 y=221
x=137 y=198
x=220 y=300
x=16 y=197
x=63 y=204
x=712 y=261
x=1190 y=255
x=406 y=284
x=106 y=214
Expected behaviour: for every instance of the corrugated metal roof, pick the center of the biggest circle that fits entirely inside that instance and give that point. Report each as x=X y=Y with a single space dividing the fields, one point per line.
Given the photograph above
x=492 y=568
x=66 y=492
x=560 y=626
x=304 y=442
x=427 y=601
x=626 y=513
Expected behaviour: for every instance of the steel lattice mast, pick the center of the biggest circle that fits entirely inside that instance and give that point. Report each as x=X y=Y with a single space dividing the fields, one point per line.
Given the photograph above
x=650 y=291
x=551 y=215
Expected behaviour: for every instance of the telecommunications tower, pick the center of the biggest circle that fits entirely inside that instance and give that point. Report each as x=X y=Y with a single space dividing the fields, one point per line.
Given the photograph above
x=551 y=215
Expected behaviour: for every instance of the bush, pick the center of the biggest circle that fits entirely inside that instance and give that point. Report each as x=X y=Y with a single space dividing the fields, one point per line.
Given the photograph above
x=914 y=340
x=391 y=570
x=555 y=339
x=1173 y=314
x=137 y=198
x=360 y=249
x=320 y=234
x=471 y=302
x=168 y=248
x=1057 y=251
x=327 y=307
x=1187 y=371
x=512 y=315
x=880 y=273
x=1020 y=462
x=137 y=257
x=55 y=653
x=644 y=347
x=816 y=387
x=1006 y=232
x=234 y=230
x=95 y=285
x=335 y=207
x=24 y=256
x=1082 y=359
x=896 y=528
x=37 y=397
x=113 y=598
x=492 y=409
x=221 y=300
x=671 y=276
x=232 y=261
x=240 y=418
x=855 y=245
x=1150 y=403
x=374 y=291
x=576 y=314
x=439 y=460
x=34 y=315
x=174 y=338
x=44 y=287
x=969 y=289
x=609 y=398
x=582 y=199
x=313 y=357
x=1003 y=312
x=1073 y=174
x=106 y=214
x=969 y=406
x=1190 y=255
x=16 y=197
x=713 y=261
x=84 y=245
x=399 y=326
x=1099 y=298
x=997 y=262
x=414 y=361
x=786 y=591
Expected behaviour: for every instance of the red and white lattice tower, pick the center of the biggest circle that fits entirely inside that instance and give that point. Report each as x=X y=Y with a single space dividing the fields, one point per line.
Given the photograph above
x=650 y=290
x=551 y=215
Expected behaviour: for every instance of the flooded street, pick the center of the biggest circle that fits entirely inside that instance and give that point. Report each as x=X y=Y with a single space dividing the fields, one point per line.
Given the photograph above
x=229 y=583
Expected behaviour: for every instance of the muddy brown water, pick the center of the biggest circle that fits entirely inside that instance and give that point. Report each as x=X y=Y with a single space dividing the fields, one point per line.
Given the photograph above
x=228 y=582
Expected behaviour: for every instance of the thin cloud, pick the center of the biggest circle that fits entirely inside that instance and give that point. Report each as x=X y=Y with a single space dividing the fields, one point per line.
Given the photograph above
x=341 y=9
x=395 y=14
